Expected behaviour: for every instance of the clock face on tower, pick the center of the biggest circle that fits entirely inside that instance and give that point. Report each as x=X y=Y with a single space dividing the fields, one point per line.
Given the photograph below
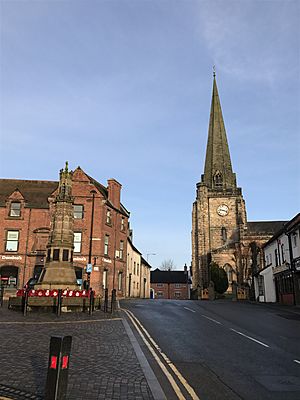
x=222 y=210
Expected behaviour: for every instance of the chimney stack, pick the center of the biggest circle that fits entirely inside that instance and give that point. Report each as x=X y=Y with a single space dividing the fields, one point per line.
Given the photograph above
x=114 y=192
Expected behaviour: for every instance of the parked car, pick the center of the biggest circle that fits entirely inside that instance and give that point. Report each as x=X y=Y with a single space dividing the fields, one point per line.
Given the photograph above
x=30 y=284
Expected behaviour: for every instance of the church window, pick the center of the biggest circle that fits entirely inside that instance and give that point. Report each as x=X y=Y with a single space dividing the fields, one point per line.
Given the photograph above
x=218 y=180
x=15 y=209
x=224 y=234
x=78 y=211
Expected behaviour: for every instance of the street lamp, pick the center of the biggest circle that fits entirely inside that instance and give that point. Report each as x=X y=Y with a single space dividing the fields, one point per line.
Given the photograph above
x=150 y=254
x=93 y=192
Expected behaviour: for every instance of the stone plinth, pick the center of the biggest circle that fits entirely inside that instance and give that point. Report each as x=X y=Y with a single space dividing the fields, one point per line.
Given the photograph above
x=58 y=275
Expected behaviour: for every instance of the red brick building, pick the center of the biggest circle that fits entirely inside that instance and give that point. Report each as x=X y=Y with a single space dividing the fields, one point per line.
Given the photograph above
x=170 y=284
x=100 y=230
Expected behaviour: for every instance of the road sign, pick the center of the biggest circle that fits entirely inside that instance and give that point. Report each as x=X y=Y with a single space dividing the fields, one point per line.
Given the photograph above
x=89 y=268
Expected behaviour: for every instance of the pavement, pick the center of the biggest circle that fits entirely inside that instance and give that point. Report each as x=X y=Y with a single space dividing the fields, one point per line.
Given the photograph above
x=106 y=360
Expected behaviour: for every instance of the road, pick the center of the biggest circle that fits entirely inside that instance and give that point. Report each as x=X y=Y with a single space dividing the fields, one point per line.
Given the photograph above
x=224 y=350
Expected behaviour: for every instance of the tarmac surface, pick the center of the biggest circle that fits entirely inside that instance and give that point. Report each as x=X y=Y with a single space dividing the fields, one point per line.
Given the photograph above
x=106 y=361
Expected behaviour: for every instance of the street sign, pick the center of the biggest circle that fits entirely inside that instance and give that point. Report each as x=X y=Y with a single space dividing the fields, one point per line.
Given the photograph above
x=89 y=268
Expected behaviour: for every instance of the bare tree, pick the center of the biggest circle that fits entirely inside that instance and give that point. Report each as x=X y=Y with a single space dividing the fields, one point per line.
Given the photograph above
x=167 y=265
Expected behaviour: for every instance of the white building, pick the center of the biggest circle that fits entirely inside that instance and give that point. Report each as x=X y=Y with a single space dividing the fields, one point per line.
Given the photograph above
x=279 y=280
x=138 y=273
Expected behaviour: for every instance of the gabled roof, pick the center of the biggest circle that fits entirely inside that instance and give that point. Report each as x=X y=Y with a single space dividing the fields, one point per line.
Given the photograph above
x=158 y=276
x=264 y=227
x=133 y=247
x=35 y=193
x=287 y=227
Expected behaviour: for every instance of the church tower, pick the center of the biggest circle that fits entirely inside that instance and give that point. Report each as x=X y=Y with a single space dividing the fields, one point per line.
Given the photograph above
x=219 y=215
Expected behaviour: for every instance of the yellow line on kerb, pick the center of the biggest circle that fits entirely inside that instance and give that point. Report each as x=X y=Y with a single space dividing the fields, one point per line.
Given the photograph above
x=177 y=390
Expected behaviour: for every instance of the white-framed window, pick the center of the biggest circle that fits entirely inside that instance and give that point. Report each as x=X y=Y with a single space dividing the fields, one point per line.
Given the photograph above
x=160 y=285
x=160 y=294
x=123 y=224
x=15 y=209
x=261 y=290
x=12 y=241
x=104 y=281
x=295 y=239
x=267 y=260
x=77 y=242
x=121 y=252
x=177 y=285
x=78 y=211
x=106 y=241
x=177 y=294
x=120 y=281
x=108 y=217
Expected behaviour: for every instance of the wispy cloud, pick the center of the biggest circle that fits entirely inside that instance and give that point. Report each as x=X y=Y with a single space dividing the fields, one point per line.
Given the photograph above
x=247 y=39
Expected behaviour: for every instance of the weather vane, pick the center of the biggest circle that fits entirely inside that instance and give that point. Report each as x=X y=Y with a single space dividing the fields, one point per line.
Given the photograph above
x=214 y=70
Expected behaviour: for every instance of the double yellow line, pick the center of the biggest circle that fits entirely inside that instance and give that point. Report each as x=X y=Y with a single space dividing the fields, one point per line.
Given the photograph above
x=151 y=345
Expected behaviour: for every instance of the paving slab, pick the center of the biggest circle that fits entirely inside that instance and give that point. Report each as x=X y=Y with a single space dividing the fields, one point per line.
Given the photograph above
x=103 y=362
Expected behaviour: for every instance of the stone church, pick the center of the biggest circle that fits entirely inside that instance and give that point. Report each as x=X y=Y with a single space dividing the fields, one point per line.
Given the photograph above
x=220 y=230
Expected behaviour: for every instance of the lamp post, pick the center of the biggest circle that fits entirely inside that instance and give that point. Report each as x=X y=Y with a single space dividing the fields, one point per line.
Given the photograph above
x=93 y=192
x=149 y=254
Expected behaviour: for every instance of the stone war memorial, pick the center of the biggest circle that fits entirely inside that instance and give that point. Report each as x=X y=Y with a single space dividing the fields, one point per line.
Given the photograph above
x=57 y=285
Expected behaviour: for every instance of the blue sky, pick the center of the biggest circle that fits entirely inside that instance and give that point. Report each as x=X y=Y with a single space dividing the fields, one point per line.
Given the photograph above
x=123 y=89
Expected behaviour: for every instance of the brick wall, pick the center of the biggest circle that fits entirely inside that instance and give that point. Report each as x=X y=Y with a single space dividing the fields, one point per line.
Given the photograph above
x=175 y=291
x=34 y=227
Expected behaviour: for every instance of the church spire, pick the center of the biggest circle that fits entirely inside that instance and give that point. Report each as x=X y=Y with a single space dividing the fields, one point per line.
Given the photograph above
x=218 y=174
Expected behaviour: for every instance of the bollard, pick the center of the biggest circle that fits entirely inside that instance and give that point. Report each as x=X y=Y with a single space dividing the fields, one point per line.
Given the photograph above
x=59 y=302
x=58 y=368
x=91 y=305
x=113 y=301
x=1 y=295
x=25 y=302
x=105 y=307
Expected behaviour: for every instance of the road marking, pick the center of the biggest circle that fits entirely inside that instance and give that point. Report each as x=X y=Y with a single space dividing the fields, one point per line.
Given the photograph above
x=164 y=369
x=249 y=337
x=188 y=388
x=211 y=319
x=297 y=361
x=189 y=309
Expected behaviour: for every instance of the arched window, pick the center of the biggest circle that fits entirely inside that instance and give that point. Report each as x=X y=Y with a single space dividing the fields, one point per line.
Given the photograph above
x=224 y=234
x=218 y=179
